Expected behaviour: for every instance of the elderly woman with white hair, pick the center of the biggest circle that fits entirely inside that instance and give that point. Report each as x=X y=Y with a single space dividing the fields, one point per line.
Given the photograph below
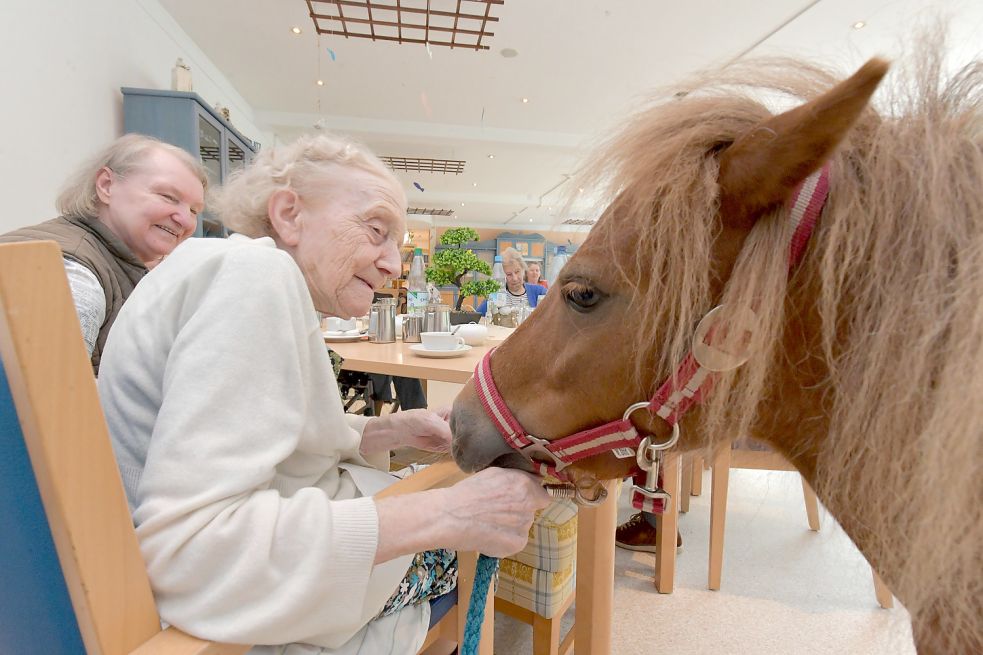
x=250 y=488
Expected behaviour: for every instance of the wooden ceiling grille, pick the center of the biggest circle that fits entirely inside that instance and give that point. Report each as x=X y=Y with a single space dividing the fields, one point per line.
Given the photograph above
x=450 y=23
x=579 y=221
x=431 y=212
x=424 y=165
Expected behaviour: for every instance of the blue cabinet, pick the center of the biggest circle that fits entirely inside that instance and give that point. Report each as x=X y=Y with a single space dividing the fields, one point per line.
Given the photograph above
x=185 y=120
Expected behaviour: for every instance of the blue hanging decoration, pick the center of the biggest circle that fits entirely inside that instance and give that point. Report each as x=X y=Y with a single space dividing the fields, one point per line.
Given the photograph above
x=331 y=54
x=418 y=186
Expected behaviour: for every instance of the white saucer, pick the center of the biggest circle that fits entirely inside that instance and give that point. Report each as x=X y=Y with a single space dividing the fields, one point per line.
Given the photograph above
x=423 y=352
x=341 y=338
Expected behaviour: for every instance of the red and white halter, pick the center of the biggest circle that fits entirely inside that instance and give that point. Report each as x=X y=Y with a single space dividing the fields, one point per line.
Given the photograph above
x=690 y=383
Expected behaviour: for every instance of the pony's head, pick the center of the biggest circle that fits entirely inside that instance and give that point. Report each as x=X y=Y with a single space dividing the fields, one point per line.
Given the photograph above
x=864 y=367
x=622 y=314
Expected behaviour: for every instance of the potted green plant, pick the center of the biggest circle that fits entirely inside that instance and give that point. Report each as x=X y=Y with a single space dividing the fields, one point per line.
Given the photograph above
x=452 y=264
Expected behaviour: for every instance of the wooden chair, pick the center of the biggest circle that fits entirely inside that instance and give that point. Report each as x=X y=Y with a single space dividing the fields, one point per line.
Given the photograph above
x=763 y=458
x=72 y=578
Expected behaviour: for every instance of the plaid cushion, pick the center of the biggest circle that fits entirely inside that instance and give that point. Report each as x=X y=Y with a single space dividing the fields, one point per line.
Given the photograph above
x=541 y=576
x=542 y=592
x=552 y=538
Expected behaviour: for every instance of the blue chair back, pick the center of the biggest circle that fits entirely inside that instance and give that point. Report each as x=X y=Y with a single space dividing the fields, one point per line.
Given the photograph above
x=36 y=614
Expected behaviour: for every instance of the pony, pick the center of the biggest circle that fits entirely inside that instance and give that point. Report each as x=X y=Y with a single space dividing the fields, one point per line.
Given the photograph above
x=865 y=366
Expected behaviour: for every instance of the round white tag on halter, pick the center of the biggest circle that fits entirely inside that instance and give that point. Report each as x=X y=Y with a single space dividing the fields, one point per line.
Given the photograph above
x=719 y=346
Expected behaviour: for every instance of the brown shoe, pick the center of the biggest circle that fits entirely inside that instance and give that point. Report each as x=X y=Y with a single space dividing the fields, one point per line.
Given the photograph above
x=638 y=534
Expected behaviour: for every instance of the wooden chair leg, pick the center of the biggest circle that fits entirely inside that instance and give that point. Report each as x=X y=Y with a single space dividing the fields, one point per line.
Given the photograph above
x=595 y=575
x=812 y=505
x=718 y=513
x=686 y=486
x=545 y=635
x=668 y=525
x=884 y=596
x=697 y=476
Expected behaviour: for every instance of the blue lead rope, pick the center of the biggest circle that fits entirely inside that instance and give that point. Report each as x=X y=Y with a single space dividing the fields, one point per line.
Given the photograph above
x=483 y=573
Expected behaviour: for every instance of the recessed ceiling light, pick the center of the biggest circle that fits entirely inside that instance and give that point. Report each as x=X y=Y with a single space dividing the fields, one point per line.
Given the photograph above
x=320 y=82
x=580 y=190
x=296 y=30
x=462 y=204
x=474 y=184
x=530 y=220
x=525 y=101
x=859 y=25
x=508 y=53
x=491 y=156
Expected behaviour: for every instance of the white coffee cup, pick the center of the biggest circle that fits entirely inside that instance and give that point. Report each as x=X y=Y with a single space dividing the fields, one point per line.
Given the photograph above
x=440 y=341
x=334 y=324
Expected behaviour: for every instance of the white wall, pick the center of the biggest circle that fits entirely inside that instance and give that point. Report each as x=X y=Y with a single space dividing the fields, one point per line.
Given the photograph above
x=63 y=63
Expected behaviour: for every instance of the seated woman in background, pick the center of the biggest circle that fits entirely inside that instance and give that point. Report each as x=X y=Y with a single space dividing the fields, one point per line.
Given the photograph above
x=121 y=213
x=517 y=289
x=250 y=488
x=534 y=275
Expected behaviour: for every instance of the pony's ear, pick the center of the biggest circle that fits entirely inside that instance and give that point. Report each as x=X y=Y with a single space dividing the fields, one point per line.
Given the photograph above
x=763 y=167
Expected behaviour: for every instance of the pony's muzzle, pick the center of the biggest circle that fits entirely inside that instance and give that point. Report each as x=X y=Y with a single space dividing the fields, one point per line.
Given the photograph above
x=476 y=443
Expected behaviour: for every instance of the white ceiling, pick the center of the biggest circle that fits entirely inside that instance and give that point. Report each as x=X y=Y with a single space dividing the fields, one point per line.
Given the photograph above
x=583 y=65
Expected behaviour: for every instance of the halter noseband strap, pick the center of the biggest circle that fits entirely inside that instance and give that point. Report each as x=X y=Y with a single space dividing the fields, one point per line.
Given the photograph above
x=691 y=382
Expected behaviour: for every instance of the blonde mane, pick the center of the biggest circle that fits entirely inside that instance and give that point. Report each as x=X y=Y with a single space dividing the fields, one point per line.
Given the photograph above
x=894 y=273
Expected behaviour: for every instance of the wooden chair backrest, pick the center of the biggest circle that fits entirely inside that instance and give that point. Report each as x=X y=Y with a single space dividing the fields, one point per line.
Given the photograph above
x=59 y=445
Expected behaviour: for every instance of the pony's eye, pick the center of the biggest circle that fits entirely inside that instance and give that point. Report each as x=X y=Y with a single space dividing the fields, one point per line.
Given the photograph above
x=581 y=297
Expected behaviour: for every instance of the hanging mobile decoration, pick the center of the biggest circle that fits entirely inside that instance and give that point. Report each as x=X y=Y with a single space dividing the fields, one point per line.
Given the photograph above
x=320 y=85
x=426 y=34
x=418 y=186
x=331 y=54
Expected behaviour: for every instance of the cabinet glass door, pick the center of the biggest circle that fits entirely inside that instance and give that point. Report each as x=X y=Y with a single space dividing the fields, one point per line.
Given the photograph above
x=237 y=155
x=210 y=151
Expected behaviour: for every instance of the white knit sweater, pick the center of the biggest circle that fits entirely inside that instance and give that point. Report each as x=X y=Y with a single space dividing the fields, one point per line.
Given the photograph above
x=241 y=468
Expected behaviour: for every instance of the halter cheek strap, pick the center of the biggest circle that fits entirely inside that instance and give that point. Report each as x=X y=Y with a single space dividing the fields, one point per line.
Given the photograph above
x=687 y=386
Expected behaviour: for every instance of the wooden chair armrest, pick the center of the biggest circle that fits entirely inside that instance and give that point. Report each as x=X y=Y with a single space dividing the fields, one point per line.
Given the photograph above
x=174 y=642
x=441 y=474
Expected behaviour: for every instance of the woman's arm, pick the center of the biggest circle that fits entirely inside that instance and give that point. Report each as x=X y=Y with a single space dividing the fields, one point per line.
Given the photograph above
x=90 y=301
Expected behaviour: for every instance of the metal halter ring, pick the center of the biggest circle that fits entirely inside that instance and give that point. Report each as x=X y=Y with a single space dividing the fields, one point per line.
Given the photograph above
x=647 y=444
x=602 y=494
x=572 y=492
x=539 y=446
x=645 y=455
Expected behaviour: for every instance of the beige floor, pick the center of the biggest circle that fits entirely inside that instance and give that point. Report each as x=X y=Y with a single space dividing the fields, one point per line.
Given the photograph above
x=785 y=589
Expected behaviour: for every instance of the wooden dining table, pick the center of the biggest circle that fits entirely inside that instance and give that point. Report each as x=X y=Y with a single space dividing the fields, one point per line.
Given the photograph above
x=595 y=534
x=398 y=359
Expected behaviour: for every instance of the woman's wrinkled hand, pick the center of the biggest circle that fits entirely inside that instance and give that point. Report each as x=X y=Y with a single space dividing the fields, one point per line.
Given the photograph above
x=423 y=429
x=492 y=511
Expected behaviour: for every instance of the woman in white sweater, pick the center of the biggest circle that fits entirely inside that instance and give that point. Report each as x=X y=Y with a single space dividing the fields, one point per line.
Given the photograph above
x=250 y=487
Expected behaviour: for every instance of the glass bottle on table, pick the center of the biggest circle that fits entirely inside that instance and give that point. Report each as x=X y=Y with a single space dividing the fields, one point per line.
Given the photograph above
x=417 y=294
x=497 y=300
